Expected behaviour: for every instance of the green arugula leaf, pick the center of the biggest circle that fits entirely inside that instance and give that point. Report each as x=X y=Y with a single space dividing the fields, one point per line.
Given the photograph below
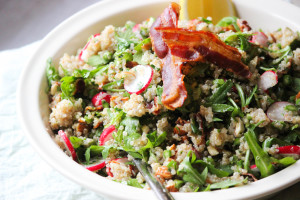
x=226 y=184
x=189 y=173
x=134 y=182
x=76 y=142
x=221 y=108
x=220 y=95
x=227 y=21
x=51 y=72
x=212 y=169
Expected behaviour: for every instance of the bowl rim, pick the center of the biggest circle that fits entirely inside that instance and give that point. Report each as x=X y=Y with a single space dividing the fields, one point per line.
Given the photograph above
x=29 y=90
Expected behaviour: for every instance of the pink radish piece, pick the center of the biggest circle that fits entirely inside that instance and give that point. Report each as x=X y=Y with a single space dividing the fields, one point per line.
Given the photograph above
x=291 y=150
x=267 y=80
x=136 y=28
x=68 y=144
x=138 y=79
x=260 y=38
x=83 y=53
x=97 y=99
x=96 y=166
x=277 y=111
x=107 y=134
x=117 y=160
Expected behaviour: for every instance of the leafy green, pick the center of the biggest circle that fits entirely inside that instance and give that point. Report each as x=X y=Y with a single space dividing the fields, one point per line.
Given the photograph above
x=156 y=140
x=287 y=161
x=227 y=21
x=245 y=101
x=221 y=108
x=226 y=184
x=76 y=142
x=221 y=93
x=113 y=86
x=97 y=60
x=212 y=169
x=242 y=38
x=159 y=91
x=262 y=159
x=134 y=182
x=131 y=124
x=189 y=173
x=51 y=72
x=67 y=87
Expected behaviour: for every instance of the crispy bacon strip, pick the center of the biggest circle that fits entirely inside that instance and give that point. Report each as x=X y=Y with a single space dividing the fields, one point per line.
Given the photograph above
x=174 y=92
x=192 y=45
x=169 y=18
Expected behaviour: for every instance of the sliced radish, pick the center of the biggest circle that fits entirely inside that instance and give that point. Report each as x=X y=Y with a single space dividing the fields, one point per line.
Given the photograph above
x=136 y=27
x=138 y=79
x=68 y=144
x=97 y=99
x=96 y=166
x=291 y=150
x=260 y=38
x=267 y=80
x=277 y=111
x=118 y=161
x=83 y=53
x=107 y=134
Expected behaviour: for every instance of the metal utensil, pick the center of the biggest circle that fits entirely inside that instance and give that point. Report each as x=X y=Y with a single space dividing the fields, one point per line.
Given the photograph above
x=160 y=191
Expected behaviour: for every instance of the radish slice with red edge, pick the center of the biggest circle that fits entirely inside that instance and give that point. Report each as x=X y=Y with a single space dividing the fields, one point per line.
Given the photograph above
x=136 y=27
x=96 y=166
x=117 y=160
x=83 y=54
x=107 y=134
x=260 y=38
x=291 y=150
x=97 y=99
x=267 y=80
x=277 y=111
x=68 y=144
x=138 y=79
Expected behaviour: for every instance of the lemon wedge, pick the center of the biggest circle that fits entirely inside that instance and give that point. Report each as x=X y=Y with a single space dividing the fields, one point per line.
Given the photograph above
x=217 y=9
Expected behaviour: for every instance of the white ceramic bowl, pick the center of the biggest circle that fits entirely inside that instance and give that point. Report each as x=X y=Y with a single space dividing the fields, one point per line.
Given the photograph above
x=72 y=34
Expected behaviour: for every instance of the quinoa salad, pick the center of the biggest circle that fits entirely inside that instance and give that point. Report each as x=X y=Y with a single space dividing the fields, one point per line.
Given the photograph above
x=206 y=106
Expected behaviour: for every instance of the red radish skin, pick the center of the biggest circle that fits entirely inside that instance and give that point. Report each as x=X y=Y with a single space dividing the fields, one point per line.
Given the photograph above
x=96 y=167
x=107 y=134
x=136 y=28
x=292 y=149
x=86 y=46
x=139 y=82
x=68 y=144
x=97 y=99
x=277 y=112
x=267 y=80
x=260 y=38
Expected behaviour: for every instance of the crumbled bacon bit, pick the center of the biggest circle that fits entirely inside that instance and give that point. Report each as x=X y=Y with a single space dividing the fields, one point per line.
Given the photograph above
x=243 y=25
